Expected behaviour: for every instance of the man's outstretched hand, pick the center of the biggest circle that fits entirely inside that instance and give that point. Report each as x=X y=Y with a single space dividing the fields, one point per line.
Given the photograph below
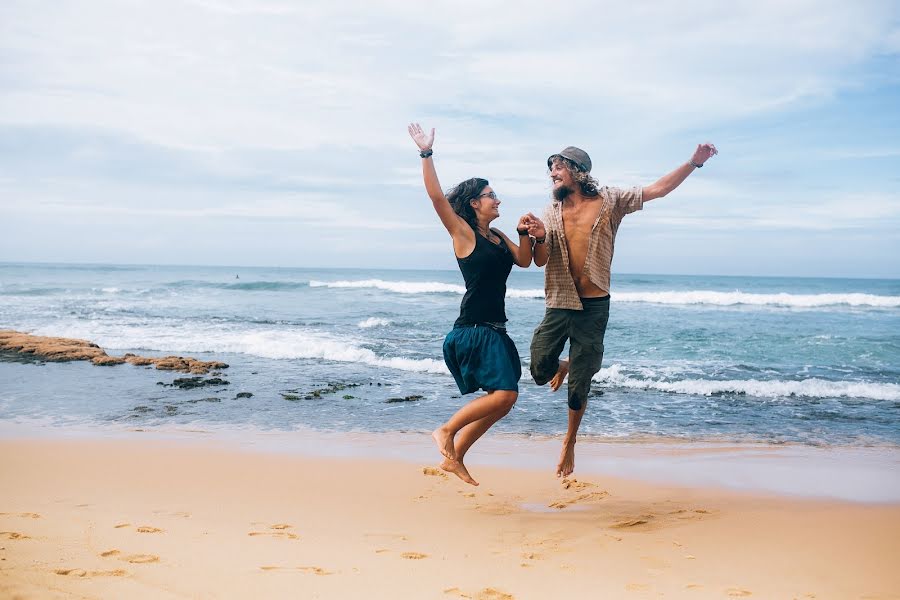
x=703 y=153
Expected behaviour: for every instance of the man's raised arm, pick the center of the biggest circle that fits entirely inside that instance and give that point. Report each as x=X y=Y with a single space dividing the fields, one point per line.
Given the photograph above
x=669 y=182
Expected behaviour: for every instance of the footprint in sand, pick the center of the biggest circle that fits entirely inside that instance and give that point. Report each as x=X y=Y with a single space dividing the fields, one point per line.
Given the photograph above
x=581 y=499
x=121 y=525
x=498 y=509
x=738 y=593
x=485 y=594
x=632 y=522
x=14 y=535
x=434 y=472
x=414 y=555
x=141 y=559
x=148 y=529
x=83 y=573
x=279 y=530
x=575 y=485
x=637 y=587
x=25 y=515
x=310 y=570
x=109 y=553
x=493 y=594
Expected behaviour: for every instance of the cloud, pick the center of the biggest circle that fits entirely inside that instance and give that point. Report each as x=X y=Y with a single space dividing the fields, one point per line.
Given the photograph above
x=252 y=109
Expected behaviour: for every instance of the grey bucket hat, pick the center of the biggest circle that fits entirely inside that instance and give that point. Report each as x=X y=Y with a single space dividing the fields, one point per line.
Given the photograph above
x=576 y=155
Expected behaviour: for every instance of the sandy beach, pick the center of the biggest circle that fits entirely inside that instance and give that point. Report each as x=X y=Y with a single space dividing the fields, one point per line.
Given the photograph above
x=132 y=518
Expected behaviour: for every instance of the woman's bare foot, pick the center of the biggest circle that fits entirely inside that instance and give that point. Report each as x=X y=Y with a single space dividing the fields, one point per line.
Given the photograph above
x=444 y=441
x=457 y=468
x=566 y=461
x=560 y=376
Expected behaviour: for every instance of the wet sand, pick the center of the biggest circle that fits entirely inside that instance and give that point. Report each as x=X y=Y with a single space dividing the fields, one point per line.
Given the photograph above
x=132 y=518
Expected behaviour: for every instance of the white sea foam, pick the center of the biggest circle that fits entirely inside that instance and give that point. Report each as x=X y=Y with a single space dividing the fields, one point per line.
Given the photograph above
x=737 y=297
x=687 y=297
x=277 y=344
x=373 y=322
x=399 y=287
x=515 y=293
x=809 y=388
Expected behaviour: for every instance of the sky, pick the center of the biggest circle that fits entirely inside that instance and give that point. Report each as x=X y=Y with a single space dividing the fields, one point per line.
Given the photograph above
x=273 y=133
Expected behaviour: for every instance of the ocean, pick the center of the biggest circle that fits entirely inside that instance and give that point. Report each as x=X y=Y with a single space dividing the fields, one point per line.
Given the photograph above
x=690 y=358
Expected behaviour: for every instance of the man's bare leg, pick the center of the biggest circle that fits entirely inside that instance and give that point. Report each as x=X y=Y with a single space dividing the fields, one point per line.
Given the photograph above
x=560 y=376
x=567 y=457
x=471 y=412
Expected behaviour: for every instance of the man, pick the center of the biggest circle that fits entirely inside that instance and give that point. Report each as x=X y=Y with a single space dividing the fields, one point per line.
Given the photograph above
x=576 y=241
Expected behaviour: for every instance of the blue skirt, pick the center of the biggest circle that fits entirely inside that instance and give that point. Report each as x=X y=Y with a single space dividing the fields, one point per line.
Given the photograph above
x=481 y=357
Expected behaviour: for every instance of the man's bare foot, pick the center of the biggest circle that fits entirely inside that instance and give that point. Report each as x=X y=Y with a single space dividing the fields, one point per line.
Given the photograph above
x=444 y=442
x=566 y=461
x=457 y=468
x=560 y=376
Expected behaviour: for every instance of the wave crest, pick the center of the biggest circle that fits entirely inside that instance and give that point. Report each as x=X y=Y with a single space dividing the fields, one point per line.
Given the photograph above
x=807 y=388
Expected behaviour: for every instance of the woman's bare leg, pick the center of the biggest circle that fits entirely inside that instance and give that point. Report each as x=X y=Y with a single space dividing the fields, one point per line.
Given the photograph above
x=469 y=433
x=471 y=412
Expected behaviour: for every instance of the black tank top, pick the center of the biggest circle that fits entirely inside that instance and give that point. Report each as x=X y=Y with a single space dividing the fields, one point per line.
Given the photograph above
x=485 y=272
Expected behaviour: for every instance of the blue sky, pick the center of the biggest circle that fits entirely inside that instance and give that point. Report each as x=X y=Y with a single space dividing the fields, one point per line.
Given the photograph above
x=274 y=133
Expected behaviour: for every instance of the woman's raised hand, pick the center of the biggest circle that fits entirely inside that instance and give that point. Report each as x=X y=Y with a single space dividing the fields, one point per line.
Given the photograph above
x=423 y=141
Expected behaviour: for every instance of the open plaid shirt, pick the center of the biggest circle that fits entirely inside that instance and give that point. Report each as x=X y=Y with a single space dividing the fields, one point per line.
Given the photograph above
x=559 y=286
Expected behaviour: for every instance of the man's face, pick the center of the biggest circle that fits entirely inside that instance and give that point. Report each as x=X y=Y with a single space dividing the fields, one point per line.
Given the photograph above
x=561 y=178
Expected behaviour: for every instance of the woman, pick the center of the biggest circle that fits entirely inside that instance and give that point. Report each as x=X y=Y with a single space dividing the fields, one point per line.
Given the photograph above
x=477 y=351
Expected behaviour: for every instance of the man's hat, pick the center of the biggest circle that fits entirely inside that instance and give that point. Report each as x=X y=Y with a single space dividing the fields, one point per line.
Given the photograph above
x=576 y=155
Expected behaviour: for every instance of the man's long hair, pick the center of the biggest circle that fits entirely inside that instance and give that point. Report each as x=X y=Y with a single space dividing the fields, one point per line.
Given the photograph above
x=461 y=197
x=588 y=186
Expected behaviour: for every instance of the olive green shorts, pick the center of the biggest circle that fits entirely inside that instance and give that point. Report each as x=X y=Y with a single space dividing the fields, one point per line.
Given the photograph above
x=585 y=330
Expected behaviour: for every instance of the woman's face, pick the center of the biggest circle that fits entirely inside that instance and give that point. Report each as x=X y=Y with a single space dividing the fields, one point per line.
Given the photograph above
x=487 y=204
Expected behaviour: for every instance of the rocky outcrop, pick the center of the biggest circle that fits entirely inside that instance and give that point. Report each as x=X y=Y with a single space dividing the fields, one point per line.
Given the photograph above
x=56 y=349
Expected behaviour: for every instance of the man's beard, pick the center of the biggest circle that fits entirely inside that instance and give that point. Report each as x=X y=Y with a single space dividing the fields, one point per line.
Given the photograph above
x=562 y=192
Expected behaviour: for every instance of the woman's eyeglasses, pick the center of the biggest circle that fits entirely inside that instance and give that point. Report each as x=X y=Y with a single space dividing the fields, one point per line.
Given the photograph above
x=490 y=195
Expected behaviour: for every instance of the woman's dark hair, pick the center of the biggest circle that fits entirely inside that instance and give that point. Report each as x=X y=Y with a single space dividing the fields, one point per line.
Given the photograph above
x=461 y=197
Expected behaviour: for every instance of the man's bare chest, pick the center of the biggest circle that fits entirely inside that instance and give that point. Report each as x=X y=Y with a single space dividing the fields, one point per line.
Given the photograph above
x=578 y=222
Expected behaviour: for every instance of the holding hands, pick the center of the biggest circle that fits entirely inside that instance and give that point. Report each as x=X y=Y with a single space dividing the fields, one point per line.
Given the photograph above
x=532 y=226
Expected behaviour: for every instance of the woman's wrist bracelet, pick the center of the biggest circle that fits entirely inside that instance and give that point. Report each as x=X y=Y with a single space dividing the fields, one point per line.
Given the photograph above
x=540 y=240
x=426 y=153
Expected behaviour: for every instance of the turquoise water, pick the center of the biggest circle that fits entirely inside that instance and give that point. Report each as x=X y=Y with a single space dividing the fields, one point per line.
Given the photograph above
x=812 y=361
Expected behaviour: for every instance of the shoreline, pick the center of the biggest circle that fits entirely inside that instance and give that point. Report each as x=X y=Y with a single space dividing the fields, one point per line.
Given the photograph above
x=863 y=474
x=157 y=518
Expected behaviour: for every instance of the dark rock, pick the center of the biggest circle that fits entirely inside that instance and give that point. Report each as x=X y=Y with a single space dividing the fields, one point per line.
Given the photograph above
x=412 y=398
x=189 y=383
x=243 y=395
x=290 y=396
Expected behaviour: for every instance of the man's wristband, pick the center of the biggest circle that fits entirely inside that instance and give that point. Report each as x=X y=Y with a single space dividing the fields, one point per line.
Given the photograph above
x=696 y=165
x=522 y=232
x=426 y=153
x=540 y=240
